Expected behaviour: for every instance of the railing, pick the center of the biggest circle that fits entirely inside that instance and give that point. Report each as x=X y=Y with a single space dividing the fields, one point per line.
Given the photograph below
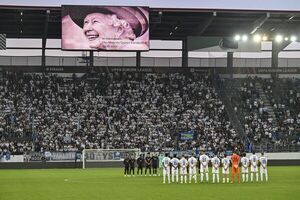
x=145 y=61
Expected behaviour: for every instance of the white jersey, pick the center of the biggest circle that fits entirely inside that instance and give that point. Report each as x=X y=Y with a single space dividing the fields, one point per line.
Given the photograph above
x=166 y=166
x=215 y=161
x=193 y=165
x=183 y=165
x=166 y=162
x=192 y=162
x=225 y=164
x=263 y=164
x=245 y=164
x=175 y=163
x=204 y=159
x=254 y=162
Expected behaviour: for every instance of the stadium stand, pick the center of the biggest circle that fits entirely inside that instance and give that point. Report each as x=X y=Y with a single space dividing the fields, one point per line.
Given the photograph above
x=112 y=110
x=268 y=109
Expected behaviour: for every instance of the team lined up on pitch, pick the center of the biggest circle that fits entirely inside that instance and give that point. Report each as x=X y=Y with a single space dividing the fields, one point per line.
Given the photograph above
x=186 y=167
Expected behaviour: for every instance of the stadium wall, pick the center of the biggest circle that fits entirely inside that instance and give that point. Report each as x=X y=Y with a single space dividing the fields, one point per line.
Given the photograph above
x=274 y=159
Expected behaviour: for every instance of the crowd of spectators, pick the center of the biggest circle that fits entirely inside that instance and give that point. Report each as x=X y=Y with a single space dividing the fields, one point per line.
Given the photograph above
x=281 y=129
x=112 y=110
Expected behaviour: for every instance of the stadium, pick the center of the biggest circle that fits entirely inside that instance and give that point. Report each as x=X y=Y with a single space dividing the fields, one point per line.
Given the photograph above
x=149 y=99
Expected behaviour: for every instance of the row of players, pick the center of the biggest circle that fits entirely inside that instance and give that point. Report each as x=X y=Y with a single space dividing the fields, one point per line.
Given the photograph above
x=188 y=166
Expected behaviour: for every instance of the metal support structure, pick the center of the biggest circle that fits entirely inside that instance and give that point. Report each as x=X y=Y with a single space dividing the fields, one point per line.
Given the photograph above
x=91 y=59
x=201 y=28
x=138 y=59
x=230 y=63
x=185 y=53
x=259 y=22
x=276 y=49
x=44 y=39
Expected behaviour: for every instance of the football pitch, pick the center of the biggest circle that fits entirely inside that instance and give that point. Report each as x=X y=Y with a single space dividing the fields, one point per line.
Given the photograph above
x=110 y=184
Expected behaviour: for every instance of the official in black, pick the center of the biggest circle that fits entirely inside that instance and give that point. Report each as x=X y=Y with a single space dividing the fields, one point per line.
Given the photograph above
x=131 y=165
x=140 y=165
x=126 y=166
x=148 y=162
x=154 y=164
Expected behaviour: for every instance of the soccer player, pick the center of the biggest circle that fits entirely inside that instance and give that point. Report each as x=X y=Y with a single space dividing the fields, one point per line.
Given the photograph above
x=235 y=160
x=263 y=167
x=215 y=161
x=148 y=162
x=154 y=164
x=126 y=166
x=160 y=164
x=192 y=162
x=253 y=167
x=245 y=170
x=183 y=169
x=175 y=165
x=204 y=159
x=140 y=164
x=131 y=165
x=225 y=168
x=166 y=168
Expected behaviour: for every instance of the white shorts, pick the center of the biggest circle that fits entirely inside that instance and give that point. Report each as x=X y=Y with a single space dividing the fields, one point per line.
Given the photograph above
x=166 y=171
x=192 y=170
x=263 y=170
x=183 y=171
x=245 y=170
x=174 y=170
x=215 y=171
x=203 y=169
x=225 y=171
x=254 y=169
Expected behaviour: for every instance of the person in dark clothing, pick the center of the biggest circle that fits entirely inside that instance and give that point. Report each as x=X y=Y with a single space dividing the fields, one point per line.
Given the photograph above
x=131 y=165
x=126 y=166
x=140 y=164
x=154 y=164
x=148 y=162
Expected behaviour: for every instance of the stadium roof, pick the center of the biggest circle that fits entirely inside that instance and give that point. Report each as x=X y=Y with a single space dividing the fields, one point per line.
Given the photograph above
x=29 y=22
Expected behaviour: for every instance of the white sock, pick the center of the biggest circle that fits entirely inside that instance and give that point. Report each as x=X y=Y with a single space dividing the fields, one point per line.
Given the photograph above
x=207 y=178
x=251 y=177
x=227 y=180
x=201 y=177
x=243 y=177
x=213 y=178
x=266 y=174
x=261 y=177
x=218 y=178
x=223 y=180
x=247 y=176
x=256 y=177
x=195 y=177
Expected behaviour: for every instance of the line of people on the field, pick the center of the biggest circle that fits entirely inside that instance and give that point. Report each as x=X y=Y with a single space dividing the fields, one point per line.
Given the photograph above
x=186 y=167
x=147 y=166
x=172 y=167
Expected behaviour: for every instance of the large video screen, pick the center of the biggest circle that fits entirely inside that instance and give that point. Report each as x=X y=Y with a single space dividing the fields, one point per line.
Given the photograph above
x=112 y=28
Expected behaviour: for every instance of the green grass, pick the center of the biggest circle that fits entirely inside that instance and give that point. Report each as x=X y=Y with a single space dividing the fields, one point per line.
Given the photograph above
x=110 y=184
